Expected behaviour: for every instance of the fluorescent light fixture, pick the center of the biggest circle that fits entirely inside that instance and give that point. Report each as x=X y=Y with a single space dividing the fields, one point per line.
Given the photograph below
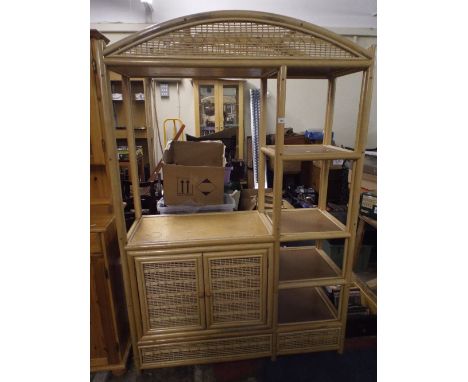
x=150 y=2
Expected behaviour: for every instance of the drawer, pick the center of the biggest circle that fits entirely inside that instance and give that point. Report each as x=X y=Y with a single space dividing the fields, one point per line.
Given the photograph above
x=205 y=351
x=305 y=341
x=95 y=243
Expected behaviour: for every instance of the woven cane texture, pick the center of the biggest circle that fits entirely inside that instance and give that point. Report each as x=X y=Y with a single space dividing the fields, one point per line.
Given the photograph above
x=238 y=39
x=207 y=350
x=172 y=294
x=308 y=340
x=236 y=285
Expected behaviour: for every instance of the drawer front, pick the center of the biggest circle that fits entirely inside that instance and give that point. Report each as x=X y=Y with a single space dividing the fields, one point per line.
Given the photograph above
x=236 y=288
x=205 y=351
x=308 y=340
x=95 y=243
x=171 y=293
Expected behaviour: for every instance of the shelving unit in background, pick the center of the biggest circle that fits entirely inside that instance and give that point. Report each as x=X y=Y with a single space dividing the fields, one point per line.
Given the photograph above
x=142 y=116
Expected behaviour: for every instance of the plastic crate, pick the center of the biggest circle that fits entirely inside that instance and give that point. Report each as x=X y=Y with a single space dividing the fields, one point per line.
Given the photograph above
x=335 y=251
x=228 y=206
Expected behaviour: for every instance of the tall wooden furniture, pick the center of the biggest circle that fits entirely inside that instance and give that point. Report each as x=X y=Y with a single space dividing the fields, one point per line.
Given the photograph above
x=225 y=286
x=219 y=105
x=110 y=337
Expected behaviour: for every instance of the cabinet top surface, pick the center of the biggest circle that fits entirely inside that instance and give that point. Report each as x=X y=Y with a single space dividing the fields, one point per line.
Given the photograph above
x=202 y=229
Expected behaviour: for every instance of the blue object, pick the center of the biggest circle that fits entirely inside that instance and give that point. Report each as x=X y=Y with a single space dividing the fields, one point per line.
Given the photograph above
x=315 y=135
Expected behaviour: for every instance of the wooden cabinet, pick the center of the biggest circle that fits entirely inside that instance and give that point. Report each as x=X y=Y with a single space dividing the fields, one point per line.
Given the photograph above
x=220 y=295
x=109 y=327
x=110 y=342
x=219 y=105
x=205 y=290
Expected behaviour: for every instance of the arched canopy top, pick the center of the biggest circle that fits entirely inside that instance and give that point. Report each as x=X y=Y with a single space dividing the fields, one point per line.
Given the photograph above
x=226 y=43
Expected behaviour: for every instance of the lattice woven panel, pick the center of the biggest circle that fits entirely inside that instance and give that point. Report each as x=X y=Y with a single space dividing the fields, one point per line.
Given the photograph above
x=207 y=350
x=239 y=39
x=172 y=293
x=236 y=285
x=308 y=340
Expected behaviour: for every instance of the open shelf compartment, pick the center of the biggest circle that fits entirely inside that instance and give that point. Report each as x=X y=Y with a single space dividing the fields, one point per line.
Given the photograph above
x=311 y=152
x=308 y=224
x=305 y=305
x=307 y=266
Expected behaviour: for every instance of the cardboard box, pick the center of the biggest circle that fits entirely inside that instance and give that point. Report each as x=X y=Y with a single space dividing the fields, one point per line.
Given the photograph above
x=210 y=153
x=193 y=184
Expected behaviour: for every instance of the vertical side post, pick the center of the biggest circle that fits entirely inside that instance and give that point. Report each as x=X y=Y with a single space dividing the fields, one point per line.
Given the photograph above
x=262 y=143
x=277 y=192
x=154 y=116
x=127 y=104
x=105 y=98
x=219 y=104
x=353 y=207
x=241 y=132
x=327 y=140
x=196 y=100
x=279 y=147
x=149 y=104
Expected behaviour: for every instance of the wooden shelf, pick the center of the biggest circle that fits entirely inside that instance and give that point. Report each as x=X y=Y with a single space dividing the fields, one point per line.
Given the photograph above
x=309 y=224
x=306 y=266
x=311 y=152
x=304 y=305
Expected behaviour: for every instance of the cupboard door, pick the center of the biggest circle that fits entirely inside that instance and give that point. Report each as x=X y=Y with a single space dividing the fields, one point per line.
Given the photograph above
x=171 y=293
x=236 y=288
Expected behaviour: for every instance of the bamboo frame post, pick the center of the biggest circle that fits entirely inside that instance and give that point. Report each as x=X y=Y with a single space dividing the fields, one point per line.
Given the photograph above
x=278 y=192
x=104 y=95
x=241 y=129
x=353 y=207
x=149 y=104
x=279 y=148
x=127 y=104
x=156 y=132
x=327 y=140
x=262 y=143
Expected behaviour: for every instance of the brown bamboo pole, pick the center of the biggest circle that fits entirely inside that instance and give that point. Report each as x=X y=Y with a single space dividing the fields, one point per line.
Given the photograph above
x=149 y=104
x=127 y=104
x=353 y=207
x=262 y=143
x=327 y=140
x=278 y=191
x=105 y=97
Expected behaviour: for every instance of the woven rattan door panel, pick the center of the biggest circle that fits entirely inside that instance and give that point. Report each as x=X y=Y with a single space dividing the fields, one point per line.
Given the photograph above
x=236 y=288
x=205 y=351
x=171 y=293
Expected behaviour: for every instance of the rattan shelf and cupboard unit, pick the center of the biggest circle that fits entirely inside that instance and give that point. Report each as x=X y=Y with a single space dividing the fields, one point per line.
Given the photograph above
x=222 y=286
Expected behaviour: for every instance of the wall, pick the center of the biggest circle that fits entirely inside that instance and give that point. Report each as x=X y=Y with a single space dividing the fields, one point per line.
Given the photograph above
x=336 y=13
